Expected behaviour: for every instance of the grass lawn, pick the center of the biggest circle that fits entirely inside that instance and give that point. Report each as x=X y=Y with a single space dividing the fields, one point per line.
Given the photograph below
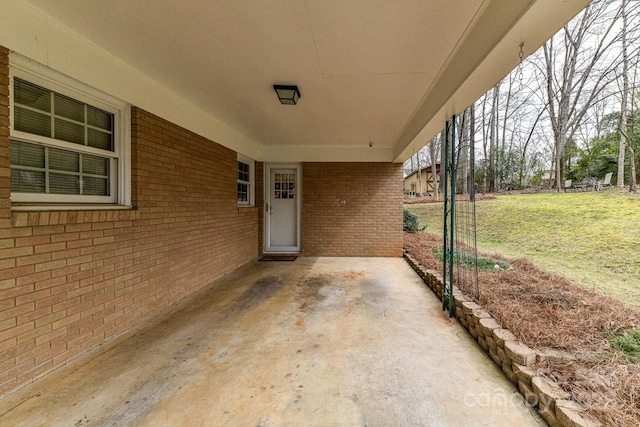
x=592 y=238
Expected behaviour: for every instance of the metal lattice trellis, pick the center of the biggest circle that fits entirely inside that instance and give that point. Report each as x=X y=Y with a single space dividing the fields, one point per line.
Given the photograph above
x=460 y=256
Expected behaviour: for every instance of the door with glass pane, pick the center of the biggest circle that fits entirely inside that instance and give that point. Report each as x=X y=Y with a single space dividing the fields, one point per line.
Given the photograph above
x=282 y=208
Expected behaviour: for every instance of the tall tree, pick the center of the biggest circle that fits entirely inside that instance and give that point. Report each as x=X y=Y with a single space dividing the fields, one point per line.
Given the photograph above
x=493 y=137
x=419 y=175
x=576 y=76
x=485 y=140
x=434 y=167
x=624 y=140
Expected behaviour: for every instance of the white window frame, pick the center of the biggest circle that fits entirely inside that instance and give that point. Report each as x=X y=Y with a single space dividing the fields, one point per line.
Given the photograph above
x=251 y=183
x=120 y=163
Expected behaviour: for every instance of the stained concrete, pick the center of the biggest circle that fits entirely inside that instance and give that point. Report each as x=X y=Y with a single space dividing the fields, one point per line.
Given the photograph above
x=315 y=342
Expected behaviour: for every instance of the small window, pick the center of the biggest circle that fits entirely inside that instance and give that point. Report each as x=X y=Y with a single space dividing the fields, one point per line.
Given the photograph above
x=245 y=181
x=67 y=146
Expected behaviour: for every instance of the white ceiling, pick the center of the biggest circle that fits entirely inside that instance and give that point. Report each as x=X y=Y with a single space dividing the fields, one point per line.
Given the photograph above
x=368 y=70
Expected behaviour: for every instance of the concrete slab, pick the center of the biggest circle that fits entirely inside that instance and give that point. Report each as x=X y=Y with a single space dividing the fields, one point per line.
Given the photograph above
x=315 y=342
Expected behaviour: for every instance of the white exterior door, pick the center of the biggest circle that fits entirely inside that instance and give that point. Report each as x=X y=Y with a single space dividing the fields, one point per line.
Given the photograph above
x=282 y=208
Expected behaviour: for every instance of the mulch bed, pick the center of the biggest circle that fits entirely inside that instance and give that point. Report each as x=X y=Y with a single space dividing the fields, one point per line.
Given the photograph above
x=431 y=199
x=550 y=313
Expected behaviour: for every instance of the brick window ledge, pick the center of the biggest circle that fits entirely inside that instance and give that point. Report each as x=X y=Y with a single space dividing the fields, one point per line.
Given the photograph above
x=248 y=208
x=28 y=218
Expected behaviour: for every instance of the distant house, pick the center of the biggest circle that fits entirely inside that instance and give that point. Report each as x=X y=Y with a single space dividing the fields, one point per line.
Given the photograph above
x=412 y=186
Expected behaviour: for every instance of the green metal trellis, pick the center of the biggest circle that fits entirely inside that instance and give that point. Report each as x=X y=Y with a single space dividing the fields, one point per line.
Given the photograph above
x=459 y=253
x=449 y=188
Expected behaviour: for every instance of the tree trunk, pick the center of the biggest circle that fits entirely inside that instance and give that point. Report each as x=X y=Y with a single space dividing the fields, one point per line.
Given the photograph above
x=472 y=151
x=484 y=145
x=624 y=141
x=419 y=174
x=493 y=135
x=632 y=168
x=462 y=161
x=434 y=168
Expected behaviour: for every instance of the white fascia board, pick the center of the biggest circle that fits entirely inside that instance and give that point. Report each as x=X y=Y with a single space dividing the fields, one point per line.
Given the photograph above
x=30 y=32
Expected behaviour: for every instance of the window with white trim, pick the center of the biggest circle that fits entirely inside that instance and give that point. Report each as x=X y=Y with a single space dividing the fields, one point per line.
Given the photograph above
x=69 y=144
x=245 y=181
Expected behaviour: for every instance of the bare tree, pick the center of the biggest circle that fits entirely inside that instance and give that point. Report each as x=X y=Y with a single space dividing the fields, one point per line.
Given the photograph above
x=576 y=76
x=434 y=167
x=625 y=131
x=485 y=140
x=624 y=139
x=493 y=136
x=419 y=175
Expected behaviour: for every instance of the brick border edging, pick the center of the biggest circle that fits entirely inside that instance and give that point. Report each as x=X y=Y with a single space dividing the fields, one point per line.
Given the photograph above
x=514 y=358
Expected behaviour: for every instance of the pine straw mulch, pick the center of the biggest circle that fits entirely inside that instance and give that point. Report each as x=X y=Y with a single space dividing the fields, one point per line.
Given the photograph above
x=552 y=314
x=431 y=199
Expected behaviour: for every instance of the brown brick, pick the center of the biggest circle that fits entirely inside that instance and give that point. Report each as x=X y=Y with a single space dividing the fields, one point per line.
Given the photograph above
x=51 y=247
x=14 y=332
x=32 y=296
x=32 y=240
x=15 y=252
x=33 y=259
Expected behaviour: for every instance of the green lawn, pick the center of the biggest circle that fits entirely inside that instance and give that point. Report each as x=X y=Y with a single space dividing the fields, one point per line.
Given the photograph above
x=591 y=238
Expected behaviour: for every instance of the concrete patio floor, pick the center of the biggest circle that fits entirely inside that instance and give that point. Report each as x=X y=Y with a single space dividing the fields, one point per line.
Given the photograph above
x=315 y=342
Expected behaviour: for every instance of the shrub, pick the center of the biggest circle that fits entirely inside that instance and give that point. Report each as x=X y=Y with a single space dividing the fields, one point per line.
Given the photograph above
x=410 y=222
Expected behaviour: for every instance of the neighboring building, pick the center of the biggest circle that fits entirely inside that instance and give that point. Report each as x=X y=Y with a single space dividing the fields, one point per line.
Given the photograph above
x=412 y=182
x=143 y=152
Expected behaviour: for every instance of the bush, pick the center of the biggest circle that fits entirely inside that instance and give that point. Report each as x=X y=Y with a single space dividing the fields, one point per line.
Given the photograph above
x=410 y=222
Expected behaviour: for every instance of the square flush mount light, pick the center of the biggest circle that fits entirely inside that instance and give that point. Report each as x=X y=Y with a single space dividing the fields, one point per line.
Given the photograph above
x=288 y=95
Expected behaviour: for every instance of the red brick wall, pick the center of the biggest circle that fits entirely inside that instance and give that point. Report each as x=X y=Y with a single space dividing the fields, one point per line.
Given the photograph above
x=370 y=222
x=72 y=280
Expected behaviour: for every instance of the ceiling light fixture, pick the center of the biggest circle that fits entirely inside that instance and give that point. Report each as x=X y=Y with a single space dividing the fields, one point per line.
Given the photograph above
x=287 y=94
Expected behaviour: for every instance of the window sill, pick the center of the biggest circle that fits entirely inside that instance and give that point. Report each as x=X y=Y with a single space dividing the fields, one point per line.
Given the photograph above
x=41 y=215
x=247 y=208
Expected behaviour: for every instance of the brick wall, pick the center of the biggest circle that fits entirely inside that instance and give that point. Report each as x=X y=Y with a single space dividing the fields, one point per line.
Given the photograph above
x=370 y=222
x=70 y=281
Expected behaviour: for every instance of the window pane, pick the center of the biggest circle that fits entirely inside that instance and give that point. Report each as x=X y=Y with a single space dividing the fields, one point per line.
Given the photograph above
x=23 y=181
x=32 y=122
x=64 y=160
x=243 y=171
x=71 y=132
x=64 y=184
x=69 y=108
x=24 y=154
x=94 y=165
x=95 y=186
x=99 y=139
x=31 y=95
x=99 y=118
x=243 y=193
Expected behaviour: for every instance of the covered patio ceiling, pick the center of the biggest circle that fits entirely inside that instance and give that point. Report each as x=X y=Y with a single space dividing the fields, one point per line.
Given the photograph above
x=378 y=78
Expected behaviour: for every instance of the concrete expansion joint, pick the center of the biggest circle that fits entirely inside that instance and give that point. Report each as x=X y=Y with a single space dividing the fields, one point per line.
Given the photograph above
x=516 y=360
